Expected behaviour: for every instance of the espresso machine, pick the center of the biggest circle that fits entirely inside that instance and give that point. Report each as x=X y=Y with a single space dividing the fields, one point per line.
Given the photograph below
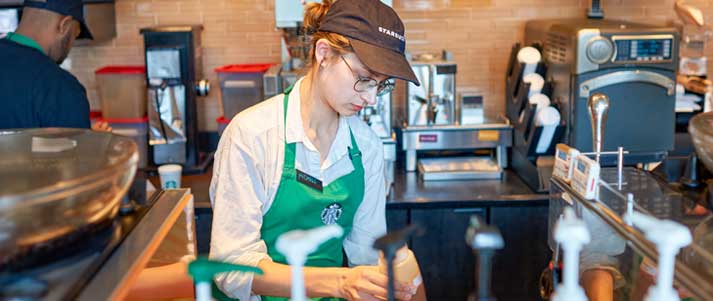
x=173 y=65
x=432 y=123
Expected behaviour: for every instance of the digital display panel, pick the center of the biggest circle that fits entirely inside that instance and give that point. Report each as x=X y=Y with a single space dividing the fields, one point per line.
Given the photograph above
x=644 y=49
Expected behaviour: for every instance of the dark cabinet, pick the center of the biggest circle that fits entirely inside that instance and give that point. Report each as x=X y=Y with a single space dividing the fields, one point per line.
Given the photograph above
x=517 y=267
x=447 y=262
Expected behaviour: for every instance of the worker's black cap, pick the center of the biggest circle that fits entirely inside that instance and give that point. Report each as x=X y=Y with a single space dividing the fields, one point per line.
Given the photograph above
x=73 y=8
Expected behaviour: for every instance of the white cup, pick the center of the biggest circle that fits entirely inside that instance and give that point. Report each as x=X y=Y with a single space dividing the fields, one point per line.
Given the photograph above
x=536 y=83
x=529 y=56
x=170 y=176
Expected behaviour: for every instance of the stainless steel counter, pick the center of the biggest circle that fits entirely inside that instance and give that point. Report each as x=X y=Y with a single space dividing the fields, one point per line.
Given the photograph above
x=117 y=274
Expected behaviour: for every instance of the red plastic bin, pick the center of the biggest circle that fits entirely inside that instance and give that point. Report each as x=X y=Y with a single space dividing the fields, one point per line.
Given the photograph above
x=241 y=87
x=122 y=91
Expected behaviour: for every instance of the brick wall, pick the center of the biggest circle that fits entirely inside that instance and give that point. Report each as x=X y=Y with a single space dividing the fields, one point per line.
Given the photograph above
x=479 y=33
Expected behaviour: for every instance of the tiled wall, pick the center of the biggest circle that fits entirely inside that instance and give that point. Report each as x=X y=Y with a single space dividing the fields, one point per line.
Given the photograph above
x=479 y=33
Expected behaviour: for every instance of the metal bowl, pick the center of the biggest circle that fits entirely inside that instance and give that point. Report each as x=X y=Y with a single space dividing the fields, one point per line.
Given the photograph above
x=56 y=182
x=701 y=129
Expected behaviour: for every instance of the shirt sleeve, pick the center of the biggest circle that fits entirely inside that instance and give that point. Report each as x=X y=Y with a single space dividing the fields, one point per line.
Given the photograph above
x=237 y=196
x=370 y=218
x=63 y=102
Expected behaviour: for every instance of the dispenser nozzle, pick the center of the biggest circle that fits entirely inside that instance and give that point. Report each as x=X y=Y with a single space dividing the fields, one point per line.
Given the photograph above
x=669 y=238
x=296 y=245
x=389 y=244
x=571 y=232
x=202 y=271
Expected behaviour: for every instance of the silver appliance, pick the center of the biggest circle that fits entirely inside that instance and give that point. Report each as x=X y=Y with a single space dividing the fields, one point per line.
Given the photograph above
x=634 y=65
x=433 y=103
x=432 y=122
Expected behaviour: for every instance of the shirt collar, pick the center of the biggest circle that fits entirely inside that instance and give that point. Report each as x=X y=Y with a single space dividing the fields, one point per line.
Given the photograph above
x=24 y=40
x=294 y=132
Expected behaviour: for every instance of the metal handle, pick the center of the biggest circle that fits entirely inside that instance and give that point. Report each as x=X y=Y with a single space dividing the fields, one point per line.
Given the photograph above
x=598 y=109
x=619 y=77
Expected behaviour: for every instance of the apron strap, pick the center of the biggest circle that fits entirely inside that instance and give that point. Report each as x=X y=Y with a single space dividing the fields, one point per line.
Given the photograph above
x=353 y=151
x=288 y=165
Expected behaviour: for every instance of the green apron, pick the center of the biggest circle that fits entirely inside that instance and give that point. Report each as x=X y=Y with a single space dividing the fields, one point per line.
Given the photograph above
x=298 y=206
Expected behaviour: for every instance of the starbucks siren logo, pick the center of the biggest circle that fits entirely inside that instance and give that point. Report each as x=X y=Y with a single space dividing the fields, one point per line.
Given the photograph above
x=331 y=213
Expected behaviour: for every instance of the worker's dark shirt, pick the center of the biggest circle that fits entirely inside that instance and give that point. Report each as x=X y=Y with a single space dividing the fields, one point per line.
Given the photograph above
x=35 y=91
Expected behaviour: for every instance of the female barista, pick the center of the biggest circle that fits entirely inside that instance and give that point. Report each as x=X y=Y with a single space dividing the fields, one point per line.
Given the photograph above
x=303 y=159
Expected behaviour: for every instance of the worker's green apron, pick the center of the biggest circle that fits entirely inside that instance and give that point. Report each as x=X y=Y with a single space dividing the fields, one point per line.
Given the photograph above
x=299 y=206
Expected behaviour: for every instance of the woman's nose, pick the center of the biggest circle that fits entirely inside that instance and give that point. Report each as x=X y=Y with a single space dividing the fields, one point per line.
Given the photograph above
x=369 y=97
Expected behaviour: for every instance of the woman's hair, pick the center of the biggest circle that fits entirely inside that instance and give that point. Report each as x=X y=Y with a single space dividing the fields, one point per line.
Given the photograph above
x=314 y=14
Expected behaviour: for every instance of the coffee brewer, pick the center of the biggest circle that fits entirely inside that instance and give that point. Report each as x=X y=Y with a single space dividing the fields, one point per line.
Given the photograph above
x=173 y=65
x=432 y=123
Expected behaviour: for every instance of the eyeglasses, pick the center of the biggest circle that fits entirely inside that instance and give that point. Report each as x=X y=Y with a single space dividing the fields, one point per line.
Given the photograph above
x=364 y=84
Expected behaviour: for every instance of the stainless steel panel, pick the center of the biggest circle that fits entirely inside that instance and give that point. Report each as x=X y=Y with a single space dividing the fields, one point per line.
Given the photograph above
x=454 y=138
x=584 y=36
x=163 y=63
x=169 y=153
x=624 y=77
x=461 y=168
x=434 y=101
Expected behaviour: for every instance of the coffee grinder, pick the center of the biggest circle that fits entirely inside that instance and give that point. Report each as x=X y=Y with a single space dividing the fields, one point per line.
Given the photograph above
x=173 y=69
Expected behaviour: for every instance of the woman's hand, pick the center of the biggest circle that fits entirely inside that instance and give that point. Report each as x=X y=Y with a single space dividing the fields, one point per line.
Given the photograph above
x=367 y=283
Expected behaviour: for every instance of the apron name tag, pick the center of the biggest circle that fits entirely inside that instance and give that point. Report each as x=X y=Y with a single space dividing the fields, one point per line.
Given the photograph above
x=308 y=180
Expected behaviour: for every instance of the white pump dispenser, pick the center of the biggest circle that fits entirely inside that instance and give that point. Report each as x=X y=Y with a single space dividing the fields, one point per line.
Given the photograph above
x=296 y=245
x=572 y=234
x=669 y=238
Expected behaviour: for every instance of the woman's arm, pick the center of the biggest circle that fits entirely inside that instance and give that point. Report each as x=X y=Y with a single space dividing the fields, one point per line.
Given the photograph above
x=237 y=195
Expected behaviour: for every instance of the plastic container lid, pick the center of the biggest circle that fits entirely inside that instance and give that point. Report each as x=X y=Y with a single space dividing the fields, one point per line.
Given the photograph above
x=121 y=70
x=244 y=68
x=95 y=114
x=170 y=168
x=222 y=120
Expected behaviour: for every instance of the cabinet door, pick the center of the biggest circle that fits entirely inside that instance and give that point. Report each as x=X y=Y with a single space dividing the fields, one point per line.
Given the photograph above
x=396 y=219
x=447 y=262
x=517 y=267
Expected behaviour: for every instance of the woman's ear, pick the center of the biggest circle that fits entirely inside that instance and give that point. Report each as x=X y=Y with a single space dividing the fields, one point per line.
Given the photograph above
x=322 y=52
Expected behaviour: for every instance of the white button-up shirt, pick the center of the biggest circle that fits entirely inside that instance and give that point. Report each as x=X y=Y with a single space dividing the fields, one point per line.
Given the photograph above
x=246 y=175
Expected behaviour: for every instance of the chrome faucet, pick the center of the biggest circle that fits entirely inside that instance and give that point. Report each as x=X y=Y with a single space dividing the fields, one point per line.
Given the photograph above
x=598 y=104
